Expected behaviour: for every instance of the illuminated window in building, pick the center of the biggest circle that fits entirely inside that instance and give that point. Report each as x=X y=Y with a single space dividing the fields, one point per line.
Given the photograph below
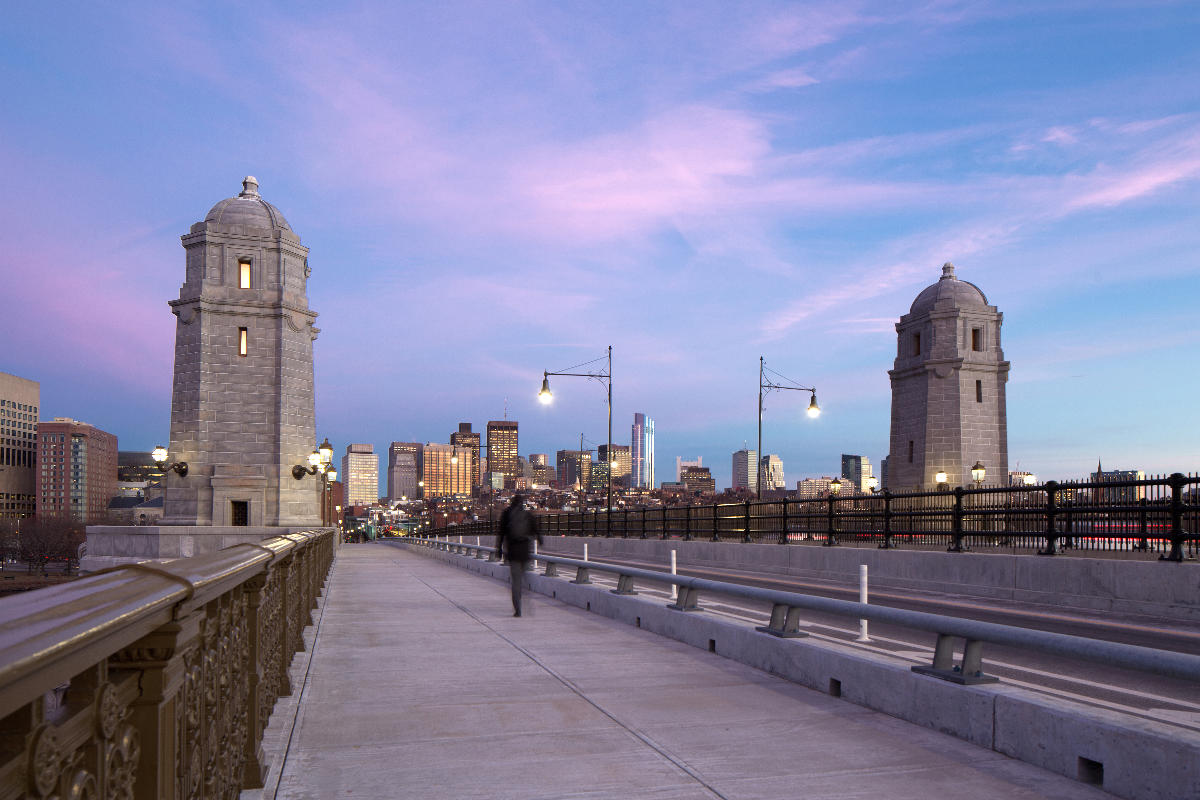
x=241 y=341
x=244 y=274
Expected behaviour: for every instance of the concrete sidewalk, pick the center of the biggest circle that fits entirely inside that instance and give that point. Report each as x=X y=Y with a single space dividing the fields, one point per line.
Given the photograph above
x=422 y=685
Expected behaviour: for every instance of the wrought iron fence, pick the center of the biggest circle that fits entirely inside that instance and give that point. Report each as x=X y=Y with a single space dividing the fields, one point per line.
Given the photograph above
x=1158 y=514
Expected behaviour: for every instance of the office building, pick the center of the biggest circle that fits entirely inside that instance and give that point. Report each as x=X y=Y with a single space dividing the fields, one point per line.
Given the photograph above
x=19 y=402
x=698 y=480
x=502 y=448
x=597 y=480
x=447 y=471
x=360 y=476
x=1116 y=495
x=77 y=470
x=622 y=473
x=681 y=462
x=641 y=453
x=404 y=471
x=745 y=469
x=883 y=473
x=948 y=388
x=136 y=466
x=857 y=470
x=463 y=437
x=770 y=470
x=812 y=488
x=572 y=467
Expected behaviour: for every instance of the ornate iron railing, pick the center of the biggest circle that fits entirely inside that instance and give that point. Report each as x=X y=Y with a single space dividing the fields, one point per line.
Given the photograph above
x=1154 y=515
x=154 y=680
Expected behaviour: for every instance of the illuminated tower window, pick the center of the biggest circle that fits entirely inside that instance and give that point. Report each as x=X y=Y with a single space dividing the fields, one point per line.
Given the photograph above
x=241 y=341
x=244 y=275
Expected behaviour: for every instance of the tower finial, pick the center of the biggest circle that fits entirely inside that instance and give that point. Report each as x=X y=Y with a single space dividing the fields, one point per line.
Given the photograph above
x=249 y=186
x=948 y=271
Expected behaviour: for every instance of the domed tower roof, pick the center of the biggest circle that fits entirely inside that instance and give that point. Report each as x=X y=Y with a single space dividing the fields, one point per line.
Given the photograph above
x=248 y=209
x=948 y=292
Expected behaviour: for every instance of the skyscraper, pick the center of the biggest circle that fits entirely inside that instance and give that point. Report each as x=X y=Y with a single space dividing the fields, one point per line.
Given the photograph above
x=502 y=449
x=641 y=453
x=681 y=462
x=77 y=473
x=745 y=469
x=463 y=437
x=620 y=453
x=446 y=470
x=19 y=401
x=573 y=466
x=404 y=470
x=543 y=473
x=948 y=388
x=360 y=476
x=771 y=468
x=857 y=470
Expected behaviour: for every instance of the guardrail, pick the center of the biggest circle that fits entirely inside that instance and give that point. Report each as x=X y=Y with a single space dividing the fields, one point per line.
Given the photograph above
x=154 y=680
x=1153 y=515
x=786 y=608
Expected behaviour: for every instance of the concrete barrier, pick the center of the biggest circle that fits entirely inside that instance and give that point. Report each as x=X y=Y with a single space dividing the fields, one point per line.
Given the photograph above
x=1127 y=756
x=1151 y=588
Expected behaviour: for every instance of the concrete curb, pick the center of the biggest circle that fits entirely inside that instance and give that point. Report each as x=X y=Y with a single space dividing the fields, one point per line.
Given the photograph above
x=1127 y=756
x=1161 y=590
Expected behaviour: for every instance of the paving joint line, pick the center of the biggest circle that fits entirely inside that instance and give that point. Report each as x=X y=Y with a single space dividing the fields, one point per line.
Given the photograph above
x=643 y=738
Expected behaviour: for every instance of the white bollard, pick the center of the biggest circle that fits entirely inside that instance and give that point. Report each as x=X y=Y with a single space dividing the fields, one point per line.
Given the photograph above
x=862 y=598
x=535 y=554
x=477 y=541
x=585 y=551
x=674 y=588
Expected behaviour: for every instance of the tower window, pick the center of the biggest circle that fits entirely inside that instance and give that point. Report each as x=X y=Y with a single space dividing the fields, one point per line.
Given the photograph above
x=242 y=336
x=910 y=451
x=916 y=343
x=244 y=273
x=978 y=391
x=977 y=339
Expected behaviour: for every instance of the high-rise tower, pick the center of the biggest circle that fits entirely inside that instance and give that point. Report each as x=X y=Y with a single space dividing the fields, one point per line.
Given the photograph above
x=948 y=382
x=641 y=453
x=242 y=411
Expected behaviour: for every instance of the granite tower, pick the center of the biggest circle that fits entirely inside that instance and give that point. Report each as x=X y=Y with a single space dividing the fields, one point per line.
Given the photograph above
x=242 y=412
x=948 y=389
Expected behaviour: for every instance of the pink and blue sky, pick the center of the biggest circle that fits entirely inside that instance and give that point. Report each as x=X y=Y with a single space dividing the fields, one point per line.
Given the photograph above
x=493 y=189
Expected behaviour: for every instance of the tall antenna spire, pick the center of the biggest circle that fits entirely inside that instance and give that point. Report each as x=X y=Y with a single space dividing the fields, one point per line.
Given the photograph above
x=506 y=408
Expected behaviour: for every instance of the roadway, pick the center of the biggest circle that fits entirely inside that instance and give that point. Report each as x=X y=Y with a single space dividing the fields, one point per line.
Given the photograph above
x=1166 y=700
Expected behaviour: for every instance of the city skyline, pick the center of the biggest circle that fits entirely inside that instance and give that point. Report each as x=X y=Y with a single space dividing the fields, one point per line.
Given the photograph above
x=695 y=185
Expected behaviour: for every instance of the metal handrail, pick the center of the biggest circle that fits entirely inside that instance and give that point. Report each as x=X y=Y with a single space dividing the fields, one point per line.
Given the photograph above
x=1134 y=657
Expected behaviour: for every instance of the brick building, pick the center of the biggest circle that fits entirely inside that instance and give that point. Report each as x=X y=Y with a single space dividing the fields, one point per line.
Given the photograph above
x=77 y=470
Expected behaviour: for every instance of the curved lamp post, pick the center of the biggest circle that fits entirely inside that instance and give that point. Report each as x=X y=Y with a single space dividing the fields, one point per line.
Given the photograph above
x=159 y=454
x=604 y=376
x=765 y=386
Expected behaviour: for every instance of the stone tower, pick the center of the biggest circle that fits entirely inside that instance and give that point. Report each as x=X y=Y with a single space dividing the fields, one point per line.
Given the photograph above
x=948 y=406
x=242 y=409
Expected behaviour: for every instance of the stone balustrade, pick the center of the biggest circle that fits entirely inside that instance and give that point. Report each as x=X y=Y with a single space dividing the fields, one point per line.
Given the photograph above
x=154 y=680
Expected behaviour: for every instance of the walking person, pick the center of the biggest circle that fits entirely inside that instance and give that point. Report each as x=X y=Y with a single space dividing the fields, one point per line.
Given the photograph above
x=517 y=528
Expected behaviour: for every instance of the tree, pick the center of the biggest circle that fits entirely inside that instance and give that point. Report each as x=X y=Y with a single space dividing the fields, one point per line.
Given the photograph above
x=43 y=540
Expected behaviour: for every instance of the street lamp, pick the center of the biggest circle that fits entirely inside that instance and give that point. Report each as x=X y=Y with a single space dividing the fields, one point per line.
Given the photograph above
x=835 y=486
x=941 y=480
x=604 y=376
x=873 y=483
x=978 y=473
x=765 y=385
x=159 y=454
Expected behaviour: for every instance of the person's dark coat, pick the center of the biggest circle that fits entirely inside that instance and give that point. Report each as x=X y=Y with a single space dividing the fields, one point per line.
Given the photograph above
x=517 y=529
